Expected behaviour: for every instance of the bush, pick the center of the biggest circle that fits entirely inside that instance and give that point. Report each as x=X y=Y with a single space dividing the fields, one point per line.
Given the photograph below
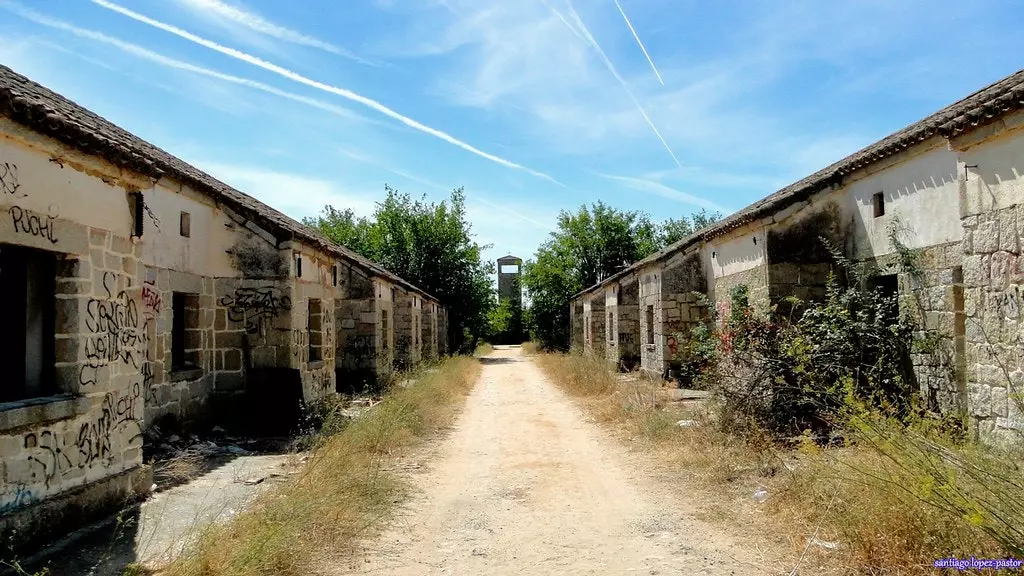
x=788 y=376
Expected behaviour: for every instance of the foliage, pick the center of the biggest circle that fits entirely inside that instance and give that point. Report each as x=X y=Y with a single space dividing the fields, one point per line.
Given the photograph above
x=430 y=245
x=673 y=230
x=590 y=245
x=787 y=376
x=505 y=322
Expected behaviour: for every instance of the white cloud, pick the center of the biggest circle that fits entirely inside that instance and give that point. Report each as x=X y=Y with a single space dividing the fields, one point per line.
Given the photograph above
x=295 y=76
x=297 y=195
x=258 y=23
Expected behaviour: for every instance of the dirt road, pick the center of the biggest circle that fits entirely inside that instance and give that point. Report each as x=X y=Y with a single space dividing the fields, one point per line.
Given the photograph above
x=525 y=485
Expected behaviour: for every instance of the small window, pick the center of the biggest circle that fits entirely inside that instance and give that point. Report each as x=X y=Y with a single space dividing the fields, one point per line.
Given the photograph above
x=334 y=275
x=27 y=286
x=611 y=327
x=384 y=329
x=186 y=335
x=298 y=266
x=878 y=201
x=650 y=324
x=185 y=225
x=415 y=330
x=314 y=325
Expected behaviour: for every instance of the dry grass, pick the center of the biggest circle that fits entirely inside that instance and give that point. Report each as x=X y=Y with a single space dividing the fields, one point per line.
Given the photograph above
x=483 y=349
x=343 y=493
x=854 y=496
x=530 y=348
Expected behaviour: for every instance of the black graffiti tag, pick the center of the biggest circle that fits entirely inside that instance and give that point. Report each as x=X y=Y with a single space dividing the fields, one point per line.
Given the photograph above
x=255 y=307
x=9 y=179
x=28 y=222
x=114 y=333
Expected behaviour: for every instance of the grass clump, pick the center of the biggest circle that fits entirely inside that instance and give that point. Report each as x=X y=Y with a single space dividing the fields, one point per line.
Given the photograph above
x=343 y=492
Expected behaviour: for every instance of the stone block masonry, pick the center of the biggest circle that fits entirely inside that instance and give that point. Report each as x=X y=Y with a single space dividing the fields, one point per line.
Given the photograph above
x=993 y=297
x=143 y=292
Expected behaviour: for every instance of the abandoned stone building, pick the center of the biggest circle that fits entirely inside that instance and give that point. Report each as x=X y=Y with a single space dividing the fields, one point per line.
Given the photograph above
x=145 y=291
x=951 y=185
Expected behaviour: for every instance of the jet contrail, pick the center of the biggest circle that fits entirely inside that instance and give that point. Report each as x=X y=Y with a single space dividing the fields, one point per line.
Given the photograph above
x=158 y=58
x=262 y=25
x=611 y=68
x=638 y=42
x=296 y=77
x=660 y=189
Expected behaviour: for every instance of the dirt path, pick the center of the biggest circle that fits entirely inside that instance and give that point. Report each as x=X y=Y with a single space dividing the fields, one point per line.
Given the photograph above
x=524 y=485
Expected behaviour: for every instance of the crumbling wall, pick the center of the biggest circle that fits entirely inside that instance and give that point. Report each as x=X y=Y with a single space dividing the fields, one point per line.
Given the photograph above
x=738 y=259
x=428 y=331
x=611 y=323
x=684 y=280
x=408 y=329
x=799 y=261
x=594 y=323
x=576 y=323
x=356 y=320
x=313 y=331
x=652 y=335
x=628 y=319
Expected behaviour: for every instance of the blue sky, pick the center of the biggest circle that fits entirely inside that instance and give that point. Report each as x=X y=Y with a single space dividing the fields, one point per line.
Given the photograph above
x=666 y=106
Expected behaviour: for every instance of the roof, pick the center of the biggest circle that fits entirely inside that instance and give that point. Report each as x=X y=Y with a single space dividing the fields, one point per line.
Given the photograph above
x=46 y=112
x=510 y=258
x=980 y=108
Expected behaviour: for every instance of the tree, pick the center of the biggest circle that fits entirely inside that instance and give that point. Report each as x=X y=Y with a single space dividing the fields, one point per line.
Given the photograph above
x=590 y=245
x=430 y=245
x=673 y=230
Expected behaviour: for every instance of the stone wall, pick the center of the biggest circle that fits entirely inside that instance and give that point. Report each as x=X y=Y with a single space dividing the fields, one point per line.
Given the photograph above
x=85 y=427
x=428 y=331
x=628 y=333
x=652 y=336
x=611 y=308
x=594 y=323
x=993 y=273
x=356 y=319
x=576 y=336
x=408 y=329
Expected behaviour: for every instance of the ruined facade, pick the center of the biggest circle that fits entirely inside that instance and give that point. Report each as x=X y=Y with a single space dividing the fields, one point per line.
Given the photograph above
x=145 y=292
x=951 y=187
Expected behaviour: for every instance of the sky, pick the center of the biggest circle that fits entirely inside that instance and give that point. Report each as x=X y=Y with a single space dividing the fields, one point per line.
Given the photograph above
x=534 y=106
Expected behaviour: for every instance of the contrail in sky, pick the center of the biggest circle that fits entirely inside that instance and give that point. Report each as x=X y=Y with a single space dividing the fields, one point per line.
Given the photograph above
x=262 y=25
x=582 y=28
x=152 y=56
x=638 y=42
x=295 y=76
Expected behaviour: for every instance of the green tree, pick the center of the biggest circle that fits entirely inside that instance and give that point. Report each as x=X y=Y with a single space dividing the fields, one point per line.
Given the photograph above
x=673 y=230
x=430 y=245
x=590 y=245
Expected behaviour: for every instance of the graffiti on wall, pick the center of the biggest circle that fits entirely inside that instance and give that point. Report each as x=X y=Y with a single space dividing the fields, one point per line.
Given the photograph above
x=151 y=298
x=113 y=333
x=1009 y=302
x=9 y=179
x=256 y=308
x=26 y=221
x=52 y=455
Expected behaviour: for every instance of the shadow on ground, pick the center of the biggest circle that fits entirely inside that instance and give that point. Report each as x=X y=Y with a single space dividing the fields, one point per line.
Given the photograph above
x=487 y=360
x=154 y=532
